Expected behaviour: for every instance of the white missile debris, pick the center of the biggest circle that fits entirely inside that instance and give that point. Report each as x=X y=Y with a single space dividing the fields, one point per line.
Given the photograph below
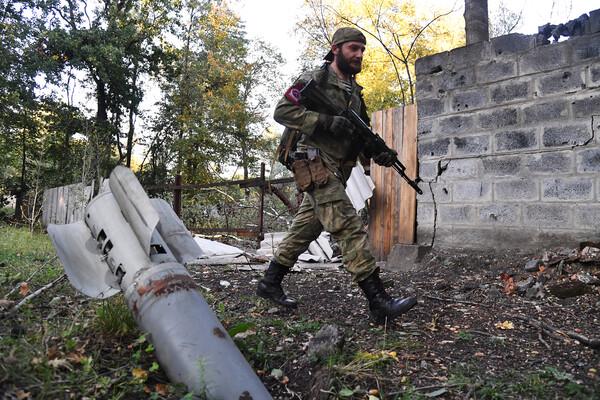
x=132 y=244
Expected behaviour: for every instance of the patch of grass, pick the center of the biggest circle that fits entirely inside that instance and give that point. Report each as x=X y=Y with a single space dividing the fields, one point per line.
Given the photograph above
x=546 y=383
x=464 y=336
x=114 y=318
x=399 y=343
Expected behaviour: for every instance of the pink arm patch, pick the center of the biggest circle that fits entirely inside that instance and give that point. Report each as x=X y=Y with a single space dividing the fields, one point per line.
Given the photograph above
x=293 y=93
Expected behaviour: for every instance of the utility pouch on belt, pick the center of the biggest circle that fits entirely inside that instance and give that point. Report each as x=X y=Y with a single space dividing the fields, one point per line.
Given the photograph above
x=309 y=171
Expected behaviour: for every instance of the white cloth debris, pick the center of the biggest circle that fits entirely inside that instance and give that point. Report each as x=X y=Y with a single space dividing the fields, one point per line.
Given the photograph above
x=211 y=248
x=359 y=187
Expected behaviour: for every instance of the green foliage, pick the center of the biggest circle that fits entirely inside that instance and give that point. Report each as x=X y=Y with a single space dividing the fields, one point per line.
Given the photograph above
x=396 y=36
x=113 y=318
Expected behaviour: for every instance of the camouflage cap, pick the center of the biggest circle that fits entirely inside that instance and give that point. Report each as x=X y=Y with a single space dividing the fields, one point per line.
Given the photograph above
x=343 y=35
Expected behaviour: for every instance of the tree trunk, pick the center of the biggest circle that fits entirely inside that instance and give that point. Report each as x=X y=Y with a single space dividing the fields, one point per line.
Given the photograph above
x=132 y=111
x=20 y=194
x=476 y=21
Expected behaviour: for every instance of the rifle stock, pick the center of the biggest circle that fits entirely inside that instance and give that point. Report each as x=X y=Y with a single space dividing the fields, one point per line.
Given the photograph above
x=314 y=95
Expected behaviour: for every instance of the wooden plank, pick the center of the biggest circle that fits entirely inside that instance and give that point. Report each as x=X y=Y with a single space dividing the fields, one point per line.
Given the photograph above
x=375 y=206
x=45 y=209
x=408 y=209
x=389 y=186
x=396 y=198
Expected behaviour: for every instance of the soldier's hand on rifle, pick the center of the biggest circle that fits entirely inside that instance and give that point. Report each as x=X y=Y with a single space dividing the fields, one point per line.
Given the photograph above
x=336 y=124
x=386 y=158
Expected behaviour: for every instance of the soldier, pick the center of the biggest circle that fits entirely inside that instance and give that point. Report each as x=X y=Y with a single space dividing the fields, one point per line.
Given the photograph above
x=325 y=154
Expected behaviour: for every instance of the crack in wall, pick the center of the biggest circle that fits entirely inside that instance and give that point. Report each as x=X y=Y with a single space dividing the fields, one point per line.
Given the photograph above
x=440 y=170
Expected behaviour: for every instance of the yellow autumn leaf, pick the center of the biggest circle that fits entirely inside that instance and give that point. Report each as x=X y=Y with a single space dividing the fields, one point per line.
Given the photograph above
x=139 y=373
x=505 y=325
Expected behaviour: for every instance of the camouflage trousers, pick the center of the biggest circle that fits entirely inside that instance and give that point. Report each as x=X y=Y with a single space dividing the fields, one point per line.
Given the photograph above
x=337 y=217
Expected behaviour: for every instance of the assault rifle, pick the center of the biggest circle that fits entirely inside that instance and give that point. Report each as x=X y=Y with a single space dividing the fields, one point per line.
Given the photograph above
x=312 y=94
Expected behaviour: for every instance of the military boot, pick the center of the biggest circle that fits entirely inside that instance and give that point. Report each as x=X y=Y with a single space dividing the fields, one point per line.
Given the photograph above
x=269 y=287
x=381 y=304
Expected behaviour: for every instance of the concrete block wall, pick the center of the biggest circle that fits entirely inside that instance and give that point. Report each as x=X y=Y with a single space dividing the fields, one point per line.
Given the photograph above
x=509 y=143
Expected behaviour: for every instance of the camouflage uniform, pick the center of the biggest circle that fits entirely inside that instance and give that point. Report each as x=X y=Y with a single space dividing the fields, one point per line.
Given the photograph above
x=328 y=207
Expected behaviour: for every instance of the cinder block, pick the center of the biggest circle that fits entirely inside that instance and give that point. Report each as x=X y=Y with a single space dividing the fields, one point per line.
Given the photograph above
x=456 y=79
x=566 y=135
x=432 y=64
x=588 y=161
x=472 y=145
x=500 y=214
x=516 y=140
x=424 y=235
x=512 y=43
x=502 y=166
x=494 y=71
x=547 y=215
x=479 y=237
x=585 y=47
x=428 y=170
x=594 y=21
x=456 y=124
x=471 y=191
x=587 y=215
x=429 y=107
x=470 y=55
x=433 y=148
x=544 y=58
x=567 y=81
x=509 y=92
x=468 y=100
x=441 y=191
x=425 y=87
x=548 y=111
x=567 y=189
x=516 y=190
x=594 y=76
x=424 y=126
x=403 y=257
x=456 y=214
x=550 y=163
x=498 y=118
x=461 y=169
x=425 y=213
x=587 y=106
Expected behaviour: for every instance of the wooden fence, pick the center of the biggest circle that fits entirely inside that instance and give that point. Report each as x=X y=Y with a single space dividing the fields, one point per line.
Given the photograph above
x=393 y=208
x=65 y=204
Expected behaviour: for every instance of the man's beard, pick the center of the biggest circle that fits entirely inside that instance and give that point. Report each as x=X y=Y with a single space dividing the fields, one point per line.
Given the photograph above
x=345 y=66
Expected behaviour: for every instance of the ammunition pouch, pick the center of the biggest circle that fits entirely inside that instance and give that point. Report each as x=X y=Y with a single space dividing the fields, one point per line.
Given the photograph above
x=309 y=170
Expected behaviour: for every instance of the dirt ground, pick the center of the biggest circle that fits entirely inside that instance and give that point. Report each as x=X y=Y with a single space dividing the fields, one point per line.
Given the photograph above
x=474 y=334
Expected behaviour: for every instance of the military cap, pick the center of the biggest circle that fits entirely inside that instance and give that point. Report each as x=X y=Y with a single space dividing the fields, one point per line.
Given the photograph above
x=343 y=35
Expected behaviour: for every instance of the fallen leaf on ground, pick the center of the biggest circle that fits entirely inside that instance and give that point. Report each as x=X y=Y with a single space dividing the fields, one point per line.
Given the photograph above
x=139 y=373
x=60 y=363
x=24 y=289
x=509 y=283
x=504 y=325
x=162 y=389
x=21 y=394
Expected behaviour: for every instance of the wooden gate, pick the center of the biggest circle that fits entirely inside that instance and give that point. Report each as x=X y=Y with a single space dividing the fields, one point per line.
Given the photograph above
x=393 y=207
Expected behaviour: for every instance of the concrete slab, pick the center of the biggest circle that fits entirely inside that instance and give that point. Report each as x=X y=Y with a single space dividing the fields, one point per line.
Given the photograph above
x=403 y=257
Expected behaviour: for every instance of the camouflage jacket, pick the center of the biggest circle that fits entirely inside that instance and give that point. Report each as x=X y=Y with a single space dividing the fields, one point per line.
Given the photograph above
x=339 y=153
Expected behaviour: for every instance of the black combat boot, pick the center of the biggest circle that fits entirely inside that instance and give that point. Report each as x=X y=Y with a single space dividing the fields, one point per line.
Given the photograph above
x=269 y=286
x=381 y=304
